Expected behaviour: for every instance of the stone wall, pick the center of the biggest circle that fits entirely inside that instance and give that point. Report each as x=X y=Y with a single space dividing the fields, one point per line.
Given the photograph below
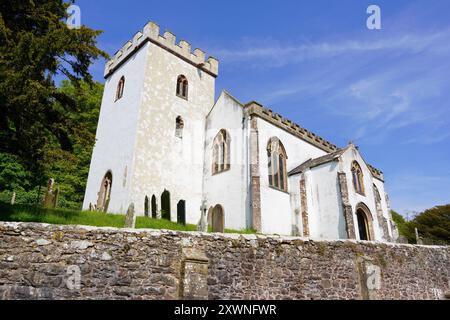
x=65 y=262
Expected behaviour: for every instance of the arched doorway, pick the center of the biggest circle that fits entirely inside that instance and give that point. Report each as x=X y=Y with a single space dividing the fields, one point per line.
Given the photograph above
x=165 y=205
x=364 y=219
x=181 y=212
x=104 y=194
x=218 y=219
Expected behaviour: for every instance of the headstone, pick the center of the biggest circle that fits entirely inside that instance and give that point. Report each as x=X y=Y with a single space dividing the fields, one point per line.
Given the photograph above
x=130 y=218
x=49 y=199
x=13 y=198
x=202 y=225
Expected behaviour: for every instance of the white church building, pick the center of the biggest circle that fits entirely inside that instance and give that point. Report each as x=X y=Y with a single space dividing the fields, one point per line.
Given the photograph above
x=166 y=146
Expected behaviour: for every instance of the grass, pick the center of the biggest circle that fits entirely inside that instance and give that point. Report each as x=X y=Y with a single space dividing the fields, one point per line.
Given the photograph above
x=24 y=213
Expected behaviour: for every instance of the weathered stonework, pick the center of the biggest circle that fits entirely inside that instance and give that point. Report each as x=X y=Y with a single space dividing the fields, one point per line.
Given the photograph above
x=35 y=261
x=255 y=176
x=348 y=214
x=304 y=206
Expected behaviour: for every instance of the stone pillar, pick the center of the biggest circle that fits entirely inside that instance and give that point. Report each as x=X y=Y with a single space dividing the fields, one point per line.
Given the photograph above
x=348 y=213
x=194 y=275
x=304 y=206
x=255 y=176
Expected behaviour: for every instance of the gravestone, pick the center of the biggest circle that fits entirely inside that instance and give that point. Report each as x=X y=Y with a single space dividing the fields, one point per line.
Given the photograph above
x=202 y=225
x=51 y=196
x=130 y=218
x=13 y=198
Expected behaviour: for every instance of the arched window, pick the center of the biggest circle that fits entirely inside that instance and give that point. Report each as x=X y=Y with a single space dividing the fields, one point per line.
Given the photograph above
x=277 y=164
x=357 y=177
x=182 y=87
x=120 y=87
x=179 y=126
x=221 y=152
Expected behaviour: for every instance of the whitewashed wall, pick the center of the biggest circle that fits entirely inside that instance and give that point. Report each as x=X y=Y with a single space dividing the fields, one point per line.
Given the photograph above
x=229 y=188
x=355 y=198
x=164 y=161
x=116 y=134
x=325 y=204
x=276 y=212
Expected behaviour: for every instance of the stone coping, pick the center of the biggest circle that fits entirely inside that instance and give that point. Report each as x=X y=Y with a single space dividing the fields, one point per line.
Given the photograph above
x=19 y=226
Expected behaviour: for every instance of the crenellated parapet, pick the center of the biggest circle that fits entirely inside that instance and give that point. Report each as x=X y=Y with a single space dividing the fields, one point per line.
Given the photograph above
x=291 y=127
x=166 y=41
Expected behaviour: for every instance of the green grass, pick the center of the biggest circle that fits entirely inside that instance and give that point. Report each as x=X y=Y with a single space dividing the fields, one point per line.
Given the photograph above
x=24 y=213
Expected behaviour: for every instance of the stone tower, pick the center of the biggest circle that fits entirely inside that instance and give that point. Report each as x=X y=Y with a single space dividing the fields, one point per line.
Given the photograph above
x=150 y=135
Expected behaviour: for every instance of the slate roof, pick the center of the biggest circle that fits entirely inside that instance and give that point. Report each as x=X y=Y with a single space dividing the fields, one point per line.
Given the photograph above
x=311 y=163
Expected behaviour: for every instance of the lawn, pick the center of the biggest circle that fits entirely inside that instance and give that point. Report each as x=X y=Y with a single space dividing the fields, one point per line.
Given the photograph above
x=23 y=213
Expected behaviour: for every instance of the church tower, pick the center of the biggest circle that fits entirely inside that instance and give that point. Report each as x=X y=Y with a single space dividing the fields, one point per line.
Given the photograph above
x=151 y=131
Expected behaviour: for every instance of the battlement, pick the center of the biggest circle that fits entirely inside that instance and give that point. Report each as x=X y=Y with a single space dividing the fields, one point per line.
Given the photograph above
x=166 y=41
x=289 y=126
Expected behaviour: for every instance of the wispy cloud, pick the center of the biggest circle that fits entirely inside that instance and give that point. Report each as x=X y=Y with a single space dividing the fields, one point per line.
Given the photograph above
x=382 y=85
x=281 y=54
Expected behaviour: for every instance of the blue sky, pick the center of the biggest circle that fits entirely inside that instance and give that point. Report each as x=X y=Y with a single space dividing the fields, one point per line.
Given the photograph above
x=316 y=63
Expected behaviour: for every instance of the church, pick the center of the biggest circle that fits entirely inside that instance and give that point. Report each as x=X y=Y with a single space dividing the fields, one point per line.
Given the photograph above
x=165 y=145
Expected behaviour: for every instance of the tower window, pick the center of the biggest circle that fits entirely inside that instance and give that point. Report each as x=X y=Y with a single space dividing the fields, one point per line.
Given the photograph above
x=277 y=164
x=120 y=87
x=182 y=87
x=357 y=177
x=179 y=126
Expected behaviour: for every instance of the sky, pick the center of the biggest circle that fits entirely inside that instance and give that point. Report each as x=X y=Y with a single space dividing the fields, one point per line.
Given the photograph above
x=317 y=63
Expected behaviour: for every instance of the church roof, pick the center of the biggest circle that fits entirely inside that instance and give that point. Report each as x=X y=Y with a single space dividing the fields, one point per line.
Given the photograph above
x=311 y=163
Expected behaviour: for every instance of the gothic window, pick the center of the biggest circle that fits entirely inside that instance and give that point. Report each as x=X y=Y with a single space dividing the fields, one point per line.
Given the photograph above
x=357 y=177
x=277 y=164
x=182 y=87
x=221 y=152
x=179 y=126
x=120 y=87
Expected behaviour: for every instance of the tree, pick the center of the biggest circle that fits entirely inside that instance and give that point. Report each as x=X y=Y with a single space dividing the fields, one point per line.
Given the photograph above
x=404 y=228
x=36 y=45
x=434 y=224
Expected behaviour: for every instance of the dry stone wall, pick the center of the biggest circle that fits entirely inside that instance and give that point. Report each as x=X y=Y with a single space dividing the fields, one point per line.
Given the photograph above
x=40 y=261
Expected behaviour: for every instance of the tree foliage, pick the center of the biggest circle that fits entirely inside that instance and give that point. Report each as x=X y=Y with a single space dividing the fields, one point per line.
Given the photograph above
x=433 y=225
x=36 y=45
